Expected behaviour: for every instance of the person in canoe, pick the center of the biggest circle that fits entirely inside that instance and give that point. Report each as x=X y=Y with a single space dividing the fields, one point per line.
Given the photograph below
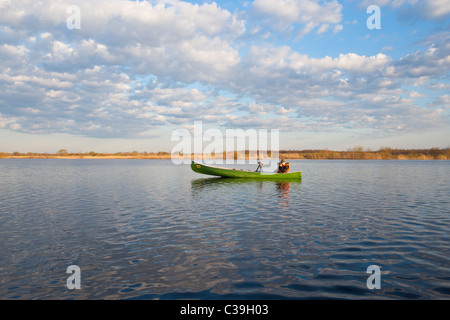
x=283 y=166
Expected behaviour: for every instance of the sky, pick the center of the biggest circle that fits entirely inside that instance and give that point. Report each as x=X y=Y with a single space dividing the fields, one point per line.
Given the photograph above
x=118 y=75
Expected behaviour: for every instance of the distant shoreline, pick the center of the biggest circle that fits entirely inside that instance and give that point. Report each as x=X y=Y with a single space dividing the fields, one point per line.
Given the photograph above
x=356 y=153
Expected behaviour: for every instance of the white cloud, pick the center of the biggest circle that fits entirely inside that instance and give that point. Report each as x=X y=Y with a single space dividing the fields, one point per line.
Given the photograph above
x=437 y=8
x=415 y=94
x=12 y=51
x=311 y=14
x=134 y=66
x=442 y=101
x=435 y=61
x=4 y=121
x=166 y=37
x=428 y=9
x=338 y=28
x=15 y=126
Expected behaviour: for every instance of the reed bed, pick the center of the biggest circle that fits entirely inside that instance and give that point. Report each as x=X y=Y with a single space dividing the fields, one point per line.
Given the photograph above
x=356 y=153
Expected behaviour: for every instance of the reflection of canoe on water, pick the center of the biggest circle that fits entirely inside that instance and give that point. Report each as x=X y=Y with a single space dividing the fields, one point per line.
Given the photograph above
x=234 y=173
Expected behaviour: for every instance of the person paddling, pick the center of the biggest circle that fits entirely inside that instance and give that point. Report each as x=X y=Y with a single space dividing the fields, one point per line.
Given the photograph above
x=283 y=166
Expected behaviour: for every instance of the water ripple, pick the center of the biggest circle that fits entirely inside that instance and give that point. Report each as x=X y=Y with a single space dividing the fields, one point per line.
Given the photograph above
x=152 y=230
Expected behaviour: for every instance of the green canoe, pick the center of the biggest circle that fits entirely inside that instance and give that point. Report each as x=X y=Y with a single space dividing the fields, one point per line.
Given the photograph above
x=234 y=173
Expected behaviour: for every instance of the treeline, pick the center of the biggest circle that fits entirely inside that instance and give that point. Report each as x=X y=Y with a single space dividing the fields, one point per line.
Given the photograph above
x=63 y=153
x=356 y=153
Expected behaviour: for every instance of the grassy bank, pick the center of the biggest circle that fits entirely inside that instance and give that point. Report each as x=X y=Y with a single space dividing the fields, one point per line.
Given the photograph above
x=357 y=153
x=88 y=155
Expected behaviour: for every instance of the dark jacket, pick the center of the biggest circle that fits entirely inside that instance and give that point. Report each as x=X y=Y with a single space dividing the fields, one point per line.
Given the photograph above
x=283 y=168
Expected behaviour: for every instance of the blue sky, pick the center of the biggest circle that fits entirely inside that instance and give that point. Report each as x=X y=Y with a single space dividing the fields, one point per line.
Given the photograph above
x=136 y=71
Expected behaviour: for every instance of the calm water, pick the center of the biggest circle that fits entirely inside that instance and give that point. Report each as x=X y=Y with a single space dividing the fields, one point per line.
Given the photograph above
x=147 y=229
